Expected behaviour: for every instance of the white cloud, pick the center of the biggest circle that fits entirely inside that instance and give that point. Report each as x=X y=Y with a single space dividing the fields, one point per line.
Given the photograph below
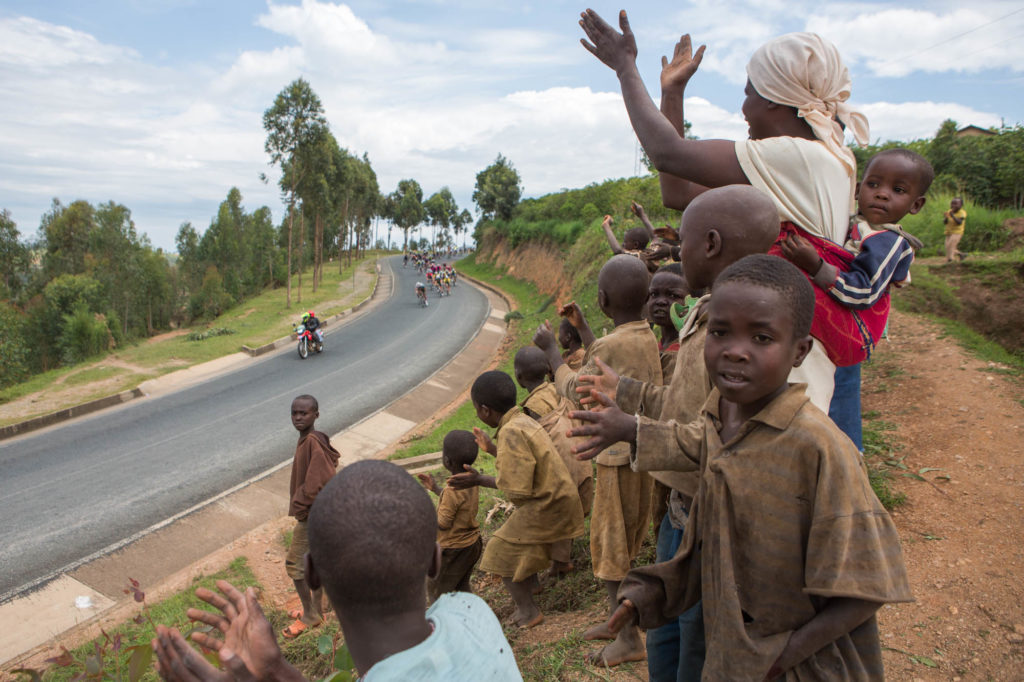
x=29 y=43
x=899 y=42
x=907 y=121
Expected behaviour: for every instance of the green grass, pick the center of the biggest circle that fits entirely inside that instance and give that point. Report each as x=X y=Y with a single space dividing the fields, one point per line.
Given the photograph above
x=256 y=321
x=86 y=376
x=170 y=612
x=879 y=448
x=983 y=231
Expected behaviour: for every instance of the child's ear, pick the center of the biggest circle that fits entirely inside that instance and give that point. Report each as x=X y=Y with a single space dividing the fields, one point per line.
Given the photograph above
x=803 y=347
x=917 y=205
x=602 y=299
x=435 y=562
x=712 y=243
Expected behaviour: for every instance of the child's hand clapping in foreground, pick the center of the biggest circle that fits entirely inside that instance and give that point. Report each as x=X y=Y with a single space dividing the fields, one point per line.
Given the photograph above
x=484 y=442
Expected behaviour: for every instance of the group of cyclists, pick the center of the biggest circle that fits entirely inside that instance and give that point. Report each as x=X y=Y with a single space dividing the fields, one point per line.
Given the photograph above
x=441 y=276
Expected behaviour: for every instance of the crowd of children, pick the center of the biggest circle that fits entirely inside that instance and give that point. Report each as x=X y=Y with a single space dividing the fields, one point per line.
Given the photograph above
x=722 y=412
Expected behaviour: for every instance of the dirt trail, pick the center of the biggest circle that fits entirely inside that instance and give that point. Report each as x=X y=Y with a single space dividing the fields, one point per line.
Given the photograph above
x=963 y=539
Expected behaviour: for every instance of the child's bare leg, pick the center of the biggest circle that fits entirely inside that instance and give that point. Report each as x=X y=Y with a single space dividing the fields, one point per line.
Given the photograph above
x=312 y=603
x=600 y=631
x=527 y=614
x=561 y=558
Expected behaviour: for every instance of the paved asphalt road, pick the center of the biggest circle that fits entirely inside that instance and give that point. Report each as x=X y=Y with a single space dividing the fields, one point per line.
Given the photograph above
x=74 y=489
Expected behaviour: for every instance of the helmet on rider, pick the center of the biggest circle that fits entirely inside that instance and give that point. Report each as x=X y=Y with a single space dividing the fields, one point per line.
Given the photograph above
x=305 y=316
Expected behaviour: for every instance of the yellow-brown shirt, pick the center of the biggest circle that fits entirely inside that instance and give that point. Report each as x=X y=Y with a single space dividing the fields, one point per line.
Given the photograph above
x=542 y=400
x=783 y=520
x=457 y=526
x=533 y=477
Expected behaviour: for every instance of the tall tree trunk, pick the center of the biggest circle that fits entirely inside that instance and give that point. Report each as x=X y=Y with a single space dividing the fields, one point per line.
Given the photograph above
x=291 y=219
x=302 y=248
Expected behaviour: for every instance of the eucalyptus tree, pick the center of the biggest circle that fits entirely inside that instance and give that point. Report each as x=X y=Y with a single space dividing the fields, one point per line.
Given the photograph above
x=293 y=122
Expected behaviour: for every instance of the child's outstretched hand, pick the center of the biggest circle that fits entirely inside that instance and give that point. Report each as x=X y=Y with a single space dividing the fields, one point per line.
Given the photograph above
x=469 y=479
x=429 y=483
x=637 y=209
x=484 y=442
x=616 y=50
x=799 y=251
x=606 y=382
x=605 y=426
x=607 y=222
x=677 y=73
x=544 y=337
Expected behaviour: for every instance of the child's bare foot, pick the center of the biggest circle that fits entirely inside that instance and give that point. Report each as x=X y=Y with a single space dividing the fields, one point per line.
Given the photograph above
x=626 y=647
x=599 y=631
x=528 y=618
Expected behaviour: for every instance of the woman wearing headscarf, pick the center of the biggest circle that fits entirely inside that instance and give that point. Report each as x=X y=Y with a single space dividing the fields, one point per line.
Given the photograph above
x=796 y=109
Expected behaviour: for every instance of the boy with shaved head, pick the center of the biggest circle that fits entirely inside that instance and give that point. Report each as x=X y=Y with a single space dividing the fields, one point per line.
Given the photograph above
x=623 y=498
x=371 y=548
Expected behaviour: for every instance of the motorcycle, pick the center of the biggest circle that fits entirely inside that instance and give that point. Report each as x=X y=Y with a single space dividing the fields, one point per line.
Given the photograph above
x=308 y=341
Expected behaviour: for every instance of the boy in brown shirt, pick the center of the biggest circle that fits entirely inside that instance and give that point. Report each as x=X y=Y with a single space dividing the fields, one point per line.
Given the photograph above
x=786 y=546
x=623 y=497
x=533 y=477
x=458 y=532
x=314 y=464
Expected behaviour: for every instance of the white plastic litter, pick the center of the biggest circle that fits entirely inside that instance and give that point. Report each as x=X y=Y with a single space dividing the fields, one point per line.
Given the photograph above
x=84 y=602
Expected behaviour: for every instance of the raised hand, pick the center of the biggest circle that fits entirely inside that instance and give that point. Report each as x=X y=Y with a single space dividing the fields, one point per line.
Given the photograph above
x=247 y=632
x=677 y=73
x=572 y=312
x=484 y=442
x=606 y=382
x=429 y=483
x=544 y=338
x=604 y=427
x=177 y=661
x=616 y=50
x=637 y=209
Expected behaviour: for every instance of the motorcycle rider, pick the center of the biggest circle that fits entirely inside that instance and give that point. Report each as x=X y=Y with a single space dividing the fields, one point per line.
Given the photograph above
x=312 y=324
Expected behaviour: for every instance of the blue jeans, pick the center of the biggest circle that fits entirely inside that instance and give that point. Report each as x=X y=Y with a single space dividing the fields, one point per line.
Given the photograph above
x=845 y=406
x=675 y=652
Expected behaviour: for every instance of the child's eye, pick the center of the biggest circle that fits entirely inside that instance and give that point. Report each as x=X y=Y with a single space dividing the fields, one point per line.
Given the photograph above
x=899 y=190
x=763 y=338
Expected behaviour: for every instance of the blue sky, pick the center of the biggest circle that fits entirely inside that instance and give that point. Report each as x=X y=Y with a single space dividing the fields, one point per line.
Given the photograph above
x=157 y=104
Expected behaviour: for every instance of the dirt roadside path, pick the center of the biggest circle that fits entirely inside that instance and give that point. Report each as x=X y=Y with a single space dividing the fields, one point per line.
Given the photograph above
x=963 y=538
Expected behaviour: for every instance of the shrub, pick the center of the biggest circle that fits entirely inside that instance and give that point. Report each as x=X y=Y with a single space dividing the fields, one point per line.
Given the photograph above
x=85 y=335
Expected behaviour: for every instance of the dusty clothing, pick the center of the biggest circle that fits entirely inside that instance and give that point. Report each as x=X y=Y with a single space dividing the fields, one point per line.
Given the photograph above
x=316 y=461
x=557 y=423
x=541 y=400
x=295 y=561
x=457 y=526
x=456 y=568
x=623 y=499
x=784 y=519
x=574 y=359
x=668 y=359
x=533 y=477
x=631 y=349
x=671 y=406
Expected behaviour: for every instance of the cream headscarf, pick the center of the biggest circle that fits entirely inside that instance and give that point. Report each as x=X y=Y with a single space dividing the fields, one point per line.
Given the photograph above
x=805 y=71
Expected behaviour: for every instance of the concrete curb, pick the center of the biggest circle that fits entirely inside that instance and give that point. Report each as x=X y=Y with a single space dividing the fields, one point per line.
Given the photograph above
x=68 y=413
x=285 y=340
x=490 y=287
x=42 y=421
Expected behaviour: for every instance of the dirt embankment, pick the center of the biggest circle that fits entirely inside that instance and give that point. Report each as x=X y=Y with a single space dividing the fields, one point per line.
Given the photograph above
x=542 y=265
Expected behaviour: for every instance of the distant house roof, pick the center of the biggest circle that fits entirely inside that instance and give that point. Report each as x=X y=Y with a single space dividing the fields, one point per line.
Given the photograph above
x=973 y=131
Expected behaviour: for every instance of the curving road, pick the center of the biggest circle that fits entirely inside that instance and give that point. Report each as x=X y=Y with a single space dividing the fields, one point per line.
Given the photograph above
x=74 y=489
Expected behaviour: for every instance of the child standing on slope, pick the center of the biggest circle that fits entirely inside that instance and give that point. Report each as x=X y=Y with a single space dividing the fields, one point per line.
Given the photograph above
x=315 y=463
